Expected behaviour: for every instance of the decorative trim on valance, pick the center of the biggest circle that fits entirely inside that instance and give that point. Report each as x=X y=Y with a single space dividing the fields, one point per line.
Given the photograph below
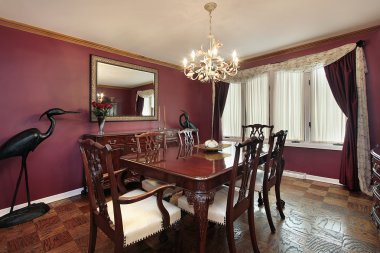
x=304 y=63
x=364 y=164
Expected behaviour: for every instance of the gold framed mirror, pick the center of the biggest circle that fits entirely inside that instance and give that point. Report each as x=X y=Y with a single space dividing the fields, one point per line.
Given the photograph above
x=132 y=90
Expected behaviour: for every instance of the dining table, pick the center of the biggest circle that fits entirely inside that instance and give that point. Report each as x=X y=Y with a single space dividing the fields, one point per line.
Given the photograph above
x=199 y=171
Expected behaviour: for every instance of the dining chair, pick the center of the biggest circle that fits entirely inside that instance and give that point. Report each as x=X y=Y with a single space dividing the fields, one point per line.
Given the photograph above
x=272 y=175
x=127 y=217
x=257 y=130
x=148 y=151
x=187 y=142
x=186 y=137
x=229 y=204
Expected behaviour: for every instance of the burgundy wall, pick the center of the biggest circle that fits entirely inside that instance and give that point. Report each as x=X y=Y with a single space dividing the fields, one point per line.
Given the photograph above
x=38 y=73
x=326 y=163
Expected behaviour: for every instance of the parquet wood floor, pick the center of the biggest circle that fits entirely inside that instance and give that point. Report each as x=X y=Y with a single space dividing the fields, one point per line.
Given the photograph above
x=319 y=218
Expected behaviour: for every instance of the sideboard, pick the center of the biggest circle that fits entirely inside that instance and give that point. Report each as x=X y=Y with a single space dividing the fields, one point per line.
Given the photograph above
x=124 y=143
x=375 y=154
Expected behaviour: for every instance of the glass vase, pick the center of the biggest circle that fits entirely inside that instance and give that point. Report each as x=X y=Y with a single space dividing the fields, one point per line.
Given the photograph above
x=101 y=122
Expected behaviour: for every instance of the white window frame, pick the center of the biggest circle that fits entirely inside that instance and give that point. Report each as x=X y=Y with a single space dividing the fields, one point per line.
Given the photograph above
x=307 y=116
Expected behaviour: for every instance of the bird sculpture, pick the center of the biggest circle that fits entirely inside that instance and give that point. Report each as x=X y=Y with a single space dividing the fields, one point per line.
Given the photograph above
x=185 y=122
x=20 y=145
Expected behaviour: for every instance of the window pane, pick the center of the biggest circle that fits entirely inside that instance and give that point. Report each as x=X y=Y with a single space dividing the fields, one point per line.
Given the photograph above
x=288 y=104
x=257 y=101
x=327 y=120
x=231 y=118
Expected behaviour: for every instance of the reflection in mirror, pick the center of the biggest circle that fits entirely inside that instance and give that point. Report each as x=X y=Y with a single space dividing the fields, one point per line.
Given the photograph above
x=132 y=90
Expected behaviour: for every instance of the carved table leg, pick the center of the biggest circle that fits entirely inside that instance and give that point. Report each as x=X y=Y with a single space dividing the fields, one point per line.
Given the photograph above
x=201 y=202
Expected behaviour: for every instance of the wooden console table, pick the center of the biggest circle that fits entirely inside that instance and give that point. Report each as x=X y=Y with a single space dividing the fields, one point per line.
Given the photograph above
x=375 y=153
x=124 y=143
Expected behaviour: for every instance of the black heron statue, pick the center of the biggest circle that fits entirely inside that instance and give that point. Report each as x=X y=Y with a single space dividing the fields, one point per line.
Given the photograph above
x=184 y=121
x=20 y=145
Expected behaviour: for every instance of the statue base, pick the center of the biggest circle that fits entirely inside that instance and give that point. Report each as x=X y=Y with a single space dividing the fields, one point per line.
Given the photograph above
x=23 y=215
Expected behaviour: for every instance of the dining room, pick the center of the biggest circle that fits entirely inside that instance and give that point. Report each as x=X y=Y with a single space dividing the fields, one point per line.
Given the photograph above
x=115 y=73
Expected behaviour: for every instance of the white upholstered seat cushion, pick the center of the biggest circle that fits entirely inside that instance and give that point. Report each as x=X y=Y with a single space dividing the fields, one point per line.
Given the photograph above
x=259 y=181
x=217 y=210
x=143 y=218
x=150 y=184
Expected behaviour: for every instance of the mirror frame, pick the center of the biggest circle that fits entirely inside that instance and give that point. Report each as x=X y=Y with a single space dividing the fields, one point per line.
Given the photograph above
x=93 y=85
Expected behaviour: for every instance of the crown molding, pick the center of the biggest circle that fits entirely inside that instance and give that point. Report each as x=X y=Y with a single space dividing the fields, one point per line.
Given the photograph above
x=86 y=43
x=307 y=45
x=81 y=42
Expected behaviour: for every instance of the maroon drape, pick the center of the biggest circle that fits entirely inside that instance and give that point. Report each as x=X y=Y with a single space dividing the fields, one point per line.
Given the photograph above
x=341 y=76
x=139 y=105
x=221 y=91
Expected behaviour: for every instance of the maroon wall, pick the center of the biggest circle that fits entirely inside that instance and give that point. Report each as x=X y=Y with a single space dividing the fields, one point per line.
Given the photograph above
x=326 y=163
x=38 y=73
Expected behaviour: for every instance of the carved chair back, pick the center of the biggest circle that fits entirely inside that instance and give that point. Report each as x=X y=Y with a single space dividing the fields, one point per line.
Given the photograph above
x=186 y=137
x=257 y=130
x=92 y=153
x=274 y=164
x=149 y=144
x=251 y=150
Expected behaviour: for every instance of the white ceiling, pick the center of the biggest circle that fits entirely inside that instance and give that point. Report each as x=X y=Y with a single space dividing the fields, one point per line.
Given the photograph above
x=167 y=30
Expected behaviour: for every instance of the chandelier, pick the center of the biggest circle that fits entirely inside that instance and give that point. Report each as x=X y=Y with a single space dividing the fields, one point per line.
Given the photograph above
x=208 y=66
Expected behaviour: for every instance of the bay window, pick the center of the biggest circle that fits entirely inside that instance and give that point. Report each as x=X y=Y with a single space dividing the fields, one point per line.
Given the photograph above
x=300 y=102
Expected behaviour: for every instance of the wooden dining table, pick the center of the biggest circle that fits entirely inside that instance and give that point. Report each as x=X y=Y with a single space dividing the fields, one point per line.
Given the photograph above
x=198 y=172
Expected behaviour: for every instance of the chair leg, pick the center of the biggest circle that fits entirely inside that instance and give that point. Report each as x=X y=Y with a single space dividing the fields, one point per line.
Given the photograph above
x=93 y=234
x=260 y=200
x=230 y=236
x=252 y=231
x=178 y=236
x=279 y=202
x=163 y=237
x=267 y=211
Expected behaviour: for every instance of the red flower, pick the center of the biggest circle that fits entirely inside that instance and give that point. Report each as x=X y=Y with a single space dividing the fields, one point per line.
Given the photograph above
x=101 y=109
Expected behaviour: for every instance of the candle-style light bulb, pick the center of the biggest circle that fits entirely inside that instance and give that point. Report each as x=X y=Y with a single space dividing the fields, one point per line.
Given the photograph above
x=235 y=59
x=214 y=51
x=193 y=55
x=184 y=62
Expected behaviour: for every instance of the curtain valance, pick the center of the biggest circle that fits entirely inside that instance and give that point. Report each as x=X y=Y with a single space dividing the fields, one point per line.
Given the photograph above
x=304 y=63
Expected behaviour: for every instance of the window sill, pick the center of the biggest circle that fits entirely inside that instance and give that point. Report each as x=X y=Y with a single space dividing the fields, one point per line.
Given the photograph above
x=314 y=145
x=327 y=146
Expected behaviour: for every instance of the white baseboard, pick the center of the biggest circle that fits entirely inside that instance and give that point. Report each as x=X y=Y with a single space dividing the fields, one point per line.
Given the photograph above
x=45 y=200
x=301 y=175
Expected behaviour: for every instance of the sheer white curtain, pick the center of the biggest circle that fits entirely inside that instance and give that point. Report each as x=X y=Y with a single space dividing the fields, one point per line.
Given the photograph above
x=148 y=96
x=148 y=106
x=257 y=100
x=288 y=104
x=231 y=118
x=328 y=121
